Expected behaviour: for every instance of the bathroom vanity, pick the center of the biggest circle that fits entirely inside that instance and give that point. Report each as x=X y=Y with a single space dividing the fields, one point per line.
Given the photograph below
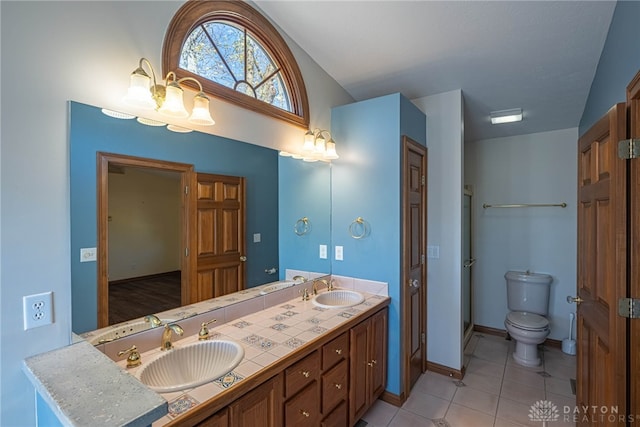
x=302 y=363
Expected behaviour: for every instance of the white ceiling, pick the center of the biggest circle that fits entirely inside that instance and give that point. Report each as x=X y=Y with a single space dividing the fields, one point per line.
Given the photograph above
x=540 y=56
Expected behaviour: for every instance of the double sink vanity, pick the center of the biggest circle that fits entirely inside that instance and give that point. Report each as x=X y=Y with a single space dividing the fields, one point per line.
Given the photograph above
x=276 y=355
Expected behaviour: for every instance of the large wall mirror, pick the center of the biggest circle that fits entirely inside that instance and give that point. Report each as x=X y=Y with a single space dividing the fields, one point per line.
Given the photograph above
x=140 y=224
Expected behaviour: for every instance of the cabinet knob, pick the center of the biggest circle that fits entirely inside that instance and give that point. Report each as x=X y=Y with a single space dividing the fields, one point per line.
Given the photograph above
x=370 y=364
x=373 y=362
x=338 y=351
x=305 y=413
x=305 y=373
x=338 y=386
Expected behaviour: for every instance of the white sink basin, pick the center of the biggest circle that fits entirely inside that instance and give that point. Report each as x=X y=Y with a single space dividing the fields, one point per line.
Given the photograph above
x=340 y=298
x=276 y=286
x=123 y=331
x=192 y=365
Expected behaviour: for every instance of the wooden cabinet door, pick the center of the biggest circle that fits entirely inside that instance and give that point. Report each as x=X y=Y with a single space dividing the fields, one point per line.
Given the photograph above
x=220 y=221
x=378 y=355
x=304 y=407
x=219 y=419
x=358 y=372
x=260 y=407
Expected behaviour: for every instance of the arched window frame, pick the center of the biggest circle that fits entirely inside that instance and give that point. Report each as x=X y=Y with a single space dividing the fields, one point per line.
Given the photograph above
x=194 y=13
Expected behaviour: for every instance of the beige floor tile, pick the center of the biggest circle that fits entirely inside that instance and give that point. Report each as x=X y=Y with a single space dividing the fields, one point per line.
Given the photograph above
x=461 y=416
x=523 y=376
x=565 y=404
x=505 y=423
x=486 y=383
x=558 y=386
x=436 y=385
x=484 y=367
x=405 y=419
x=515 y=412
x=492 y=354
x=521 y=393
x=380 y=414
x=426 y=405
x=477 y=399
x=559 y=370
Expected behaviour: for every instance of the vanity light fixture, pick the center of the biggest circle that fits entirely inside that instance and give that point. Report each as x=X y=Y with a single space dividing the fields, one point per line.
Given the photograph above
x=317 y=147
x=167 y=99
x=506 y=116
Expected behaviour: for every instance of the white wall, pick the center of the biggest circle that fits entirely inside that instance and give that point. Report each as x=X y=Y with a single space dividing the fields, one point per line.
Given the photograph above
x=535 y=168
x=53 y=52
x=444 y=226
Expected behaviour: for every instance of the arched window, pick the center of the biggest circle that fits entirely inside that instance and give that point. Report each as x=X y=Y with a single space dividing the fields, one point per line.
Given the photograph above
x=238 y=56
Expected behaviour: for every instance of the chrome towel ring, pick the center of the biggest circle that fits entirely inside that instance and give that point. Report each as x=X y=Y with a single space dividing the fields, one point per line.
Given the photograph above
x=359 y=228
x=302 y=226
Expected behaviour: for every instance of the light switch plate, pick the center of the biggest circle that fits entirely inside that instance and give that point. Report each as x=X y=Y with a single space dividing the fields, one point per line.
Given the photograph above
x=88 y=254
x=257 y=238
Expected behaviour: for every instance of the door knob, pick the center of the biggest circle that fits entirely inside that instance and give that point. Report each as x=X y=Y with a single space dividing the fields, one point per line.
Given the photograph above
x=243 y=258
x=413 y=283
x=468 y=263
x=577 y=300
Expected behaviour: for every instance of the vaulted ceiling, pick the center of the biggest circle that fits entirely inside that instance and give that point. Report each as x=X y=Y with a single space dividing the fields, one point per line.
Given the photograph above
x=540 y=56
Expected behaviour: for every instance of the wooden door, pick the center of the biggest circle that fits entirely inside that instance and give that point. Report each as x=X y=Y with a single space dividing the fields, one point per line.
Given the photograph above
x=221 y=244
x=414 y=289
x=602 y=266
x=633 y=104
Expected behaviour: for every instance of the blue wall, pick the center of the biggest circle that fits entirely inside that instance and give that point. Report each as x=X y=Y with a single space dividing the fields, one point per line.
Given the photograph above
x=366 y=183
x=91 y=131
x=304 y=191
x=619 y=62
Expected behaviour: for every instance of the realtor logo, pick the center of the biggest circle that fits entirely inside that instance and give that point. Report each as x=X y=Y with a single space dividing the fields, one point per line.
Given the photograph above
x=544 y=410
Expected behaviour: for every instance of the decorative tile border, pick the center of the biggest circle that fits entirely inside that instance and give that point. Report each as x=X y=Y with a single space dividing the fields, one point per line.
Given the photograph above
x=228 y=380
x=181 y=405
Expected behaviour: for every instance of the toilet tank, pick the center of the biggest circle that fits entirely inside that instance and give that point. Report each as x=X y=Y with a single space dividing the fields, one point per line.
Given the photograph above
x=528 y=292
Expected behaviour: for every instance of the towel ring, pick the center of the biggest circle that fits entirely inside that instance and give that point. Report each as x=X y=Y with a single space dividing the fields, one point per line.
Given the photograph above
x=358 y=228
x=302 y=226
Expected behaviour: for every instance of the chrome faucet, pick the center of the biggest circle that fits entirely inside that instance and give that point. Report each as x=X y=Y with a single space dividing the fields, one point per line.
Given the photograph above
x=166 y=335
x=301 y=278
x=327 y=283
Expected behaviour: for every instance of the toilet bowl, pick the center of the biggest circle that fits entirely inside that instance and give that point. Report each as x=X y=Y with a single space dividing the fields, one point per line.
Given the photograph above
x=528 y=302
x=528 y=330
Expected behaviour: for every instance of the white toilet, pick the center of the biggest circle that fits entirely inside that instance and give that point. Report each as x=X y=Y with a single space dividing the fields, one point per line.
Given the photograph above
x=528 y=302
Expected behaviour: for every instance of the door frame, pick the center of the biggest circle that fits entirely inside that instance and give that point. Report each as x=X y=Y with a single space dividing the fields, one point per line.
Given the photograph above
x=410 y=145
x=104 y=160
x=468 y=332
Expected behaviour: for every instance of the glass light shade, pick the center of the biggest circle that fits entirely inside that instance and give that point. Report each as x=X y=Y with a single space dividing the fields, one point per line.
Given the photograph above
x=200 y=114
x=285 y=154
x=309 y=159
x=139 y=94
x=149 y=122
x=117 y=114
x=320 y=144
x=173 y=105
x=331 y=152
x=308 y=142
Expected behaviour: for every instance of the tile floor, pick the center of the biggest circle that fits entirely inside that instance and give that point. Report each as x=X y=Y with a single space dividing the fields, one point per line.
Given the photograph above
x=495 y=391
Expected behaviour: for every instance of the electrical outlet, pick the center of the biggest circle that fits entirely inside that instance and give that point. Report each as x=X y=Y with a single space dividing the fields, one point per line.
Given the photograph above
x=339 y=253
x=37 y=310
x=323 y=251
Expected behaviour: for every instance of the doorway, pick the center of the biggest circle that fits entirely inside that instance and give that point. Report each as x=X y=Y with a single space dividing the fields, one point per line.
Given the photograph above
x=174 y=171
x=467 y=270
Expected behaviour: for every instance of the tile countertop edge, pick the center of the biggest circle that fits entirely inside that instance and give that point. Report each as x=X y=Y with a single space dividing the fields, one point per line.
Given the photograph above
x=84 y=387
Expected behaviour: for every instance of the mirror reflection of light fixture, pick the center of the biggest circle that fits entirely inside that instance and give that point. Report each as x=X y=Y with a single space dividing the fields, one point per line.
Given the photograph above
x=506 y=116
x=167 y=99
x=316 y=147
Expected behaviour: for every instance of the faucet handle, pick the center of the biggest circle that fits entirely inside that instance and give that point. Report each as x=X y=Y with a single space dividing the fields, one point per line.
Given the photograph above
x=305 y=294
x=134 y=358
x=203 y=335
x=330 y=285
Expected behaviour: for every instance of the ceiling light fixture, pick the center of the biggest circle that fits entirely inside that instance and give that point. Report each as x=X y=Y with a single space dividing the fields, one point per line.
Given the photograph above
x=317 y=147
x=506 y=116
x=167 y=99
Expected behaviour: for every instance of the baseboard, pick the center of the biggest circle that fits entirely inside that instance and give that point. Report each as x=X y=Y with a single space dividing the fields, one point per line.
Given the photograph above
x=393 y=399
x=503 y=333
x=445 y=370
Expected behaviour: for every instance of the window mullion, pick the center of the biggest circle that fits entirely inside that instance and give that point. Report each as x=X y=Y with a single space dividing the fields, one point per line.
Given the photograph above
x=224 y=61
x=266 y=79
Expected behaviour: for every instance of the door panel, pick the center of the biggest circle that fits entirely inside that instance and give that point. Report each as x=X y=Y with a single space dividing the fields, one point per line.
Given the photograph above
x=602 y=254
x=633 y=104
x=414 y=267
x=220 y=247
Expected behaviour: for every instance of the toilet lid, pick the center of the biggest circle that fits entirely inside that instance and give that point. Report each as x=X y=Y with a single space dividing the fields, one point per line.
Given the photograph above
x=527 y=320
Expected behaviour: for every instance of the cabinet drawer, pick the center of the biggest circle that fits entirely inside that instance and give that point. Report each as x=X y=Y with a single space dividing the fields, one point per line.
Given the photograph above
x=303 y=408
x=335 y=351
x=334 y=386
x=339 y=417
x=302 y=373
